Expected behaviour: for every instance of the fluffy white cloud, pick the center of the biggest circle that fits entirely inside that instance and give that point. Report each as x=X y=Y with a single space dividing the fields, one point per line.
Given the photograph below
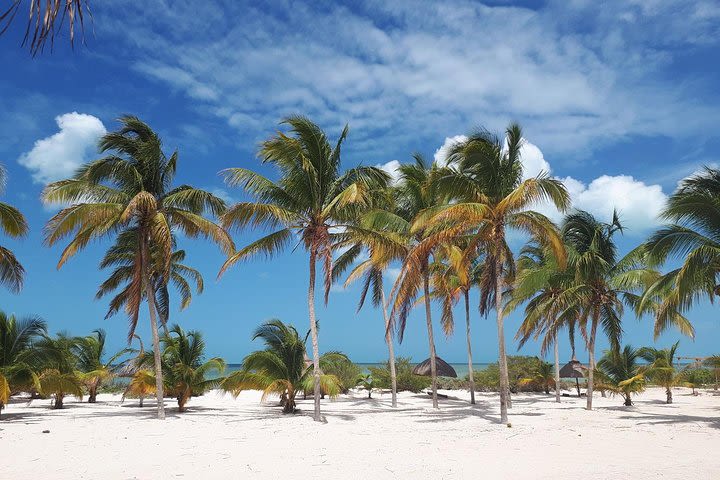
x=441 y=153
x=637 y=204
x=533 y=160
x=59 y=155
x=391 y=168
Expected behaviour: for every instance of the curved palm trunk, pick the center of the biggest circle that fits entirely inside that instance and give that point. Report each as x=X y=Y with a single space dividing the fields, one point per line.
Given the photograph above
x=502 y=360
x=469 y=348
x=431 y=339
x=314 y=336
x=150 y=294
x=391 y=351
x=557 y=370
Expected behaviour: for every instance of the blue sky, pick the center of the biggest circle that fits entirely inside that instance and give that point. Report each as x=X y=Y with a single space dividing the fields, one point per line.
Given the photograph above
x=619 y=100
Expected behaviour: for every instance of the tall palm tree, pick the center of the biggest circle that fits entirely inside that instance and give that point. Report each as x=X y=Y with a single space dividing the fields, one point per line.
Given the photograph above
x=17 y=337
x=385 y=244
x=417 y=198
x=604 y=284
x=121 y=256
x=452 y=277
x=693 y=236
x=620 y=373
x=90 y=353
x=13 y=224
x=131 y=188
x=45 y=20
x=484 y=175
x=540 y=283
x=312 y=200
x=661 y=368
x=280 y=369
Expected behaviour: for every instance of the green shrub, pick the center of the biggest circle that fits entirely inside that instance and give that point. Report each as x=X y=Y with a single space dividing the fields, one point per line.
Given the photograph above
x=519 y=367
x=406 y=380
x=343 y=368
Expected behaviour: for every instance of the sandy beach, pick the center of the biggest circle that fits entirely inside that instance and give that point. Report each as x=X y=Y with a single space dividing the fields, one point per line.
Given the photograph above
x=222 y=437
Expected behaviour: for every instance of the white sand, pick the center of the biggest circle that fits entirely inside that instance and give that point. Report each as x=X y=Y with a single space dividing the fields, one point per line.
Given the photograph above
x=222 y=437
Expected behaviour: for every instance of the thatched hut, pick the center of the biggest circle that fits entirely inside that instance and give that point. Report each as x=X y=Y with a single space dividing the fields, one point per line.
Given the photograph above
x=443 y=368
x=574 y=369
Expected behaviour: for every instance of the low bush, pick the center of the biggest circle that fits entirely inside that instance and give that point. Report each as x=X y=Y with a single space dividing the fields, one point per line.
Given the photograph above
x=406 y=380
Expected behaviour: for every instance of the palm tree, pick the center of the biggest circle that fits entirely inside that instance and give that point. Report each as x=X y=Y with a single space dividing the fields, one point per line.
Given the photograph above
x=603 y=284
x=312 y=200
x=543 y=376
x=367 y=382
x=619 y=372
x=484 y=175
x=452 y=277
x=13 y=223
x=121 y=256
x=56 y=364
x=185 y=371
x=693 y=236
x=661 y=368
x=385 y=244
x=541 y=282
x=16 y=349
x=130 y=188
x=417 y=197
x=280 y=369
x=45 y=20
x=90 y=351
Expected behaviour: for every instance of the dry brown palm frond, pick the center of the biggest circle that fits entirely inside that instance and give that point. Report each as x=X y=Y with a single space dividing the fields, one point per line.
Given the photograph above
x=45 y=21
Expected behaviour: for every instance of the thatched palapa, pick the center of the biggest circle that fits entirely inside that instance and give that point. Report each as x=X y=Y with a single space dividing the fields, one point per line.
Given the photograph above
x=443 y=368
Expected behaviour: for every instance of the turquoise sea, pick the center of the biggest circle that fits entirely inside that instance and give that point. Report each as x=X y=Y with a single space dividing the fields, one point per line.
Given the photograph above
x=460 y=368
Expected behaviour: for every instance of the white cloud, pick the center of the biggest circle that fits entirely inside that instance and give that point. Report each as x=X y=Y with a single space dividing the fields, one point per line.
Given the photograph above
x=441 y=153
x=59 y=155
x=400 y=70
x=391 y=168
x=533 y=160
x=638 y=204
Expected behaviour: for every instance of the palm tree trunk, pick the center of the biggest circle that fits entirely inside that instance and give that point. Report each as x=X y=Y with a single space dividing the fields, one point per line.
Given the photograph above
x=391 y=351
x=314 y=336
x=591 y=354
x=668 y=395
x=469 y=348
x=502 y=359
x=557 y=370
x=431 y=339
x=159 y=393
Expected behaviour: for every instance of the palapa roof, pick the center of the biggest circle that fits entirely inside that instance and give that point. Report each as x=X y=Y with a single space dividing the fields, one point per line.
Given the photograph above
x=573 y=369
x=443 y=368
